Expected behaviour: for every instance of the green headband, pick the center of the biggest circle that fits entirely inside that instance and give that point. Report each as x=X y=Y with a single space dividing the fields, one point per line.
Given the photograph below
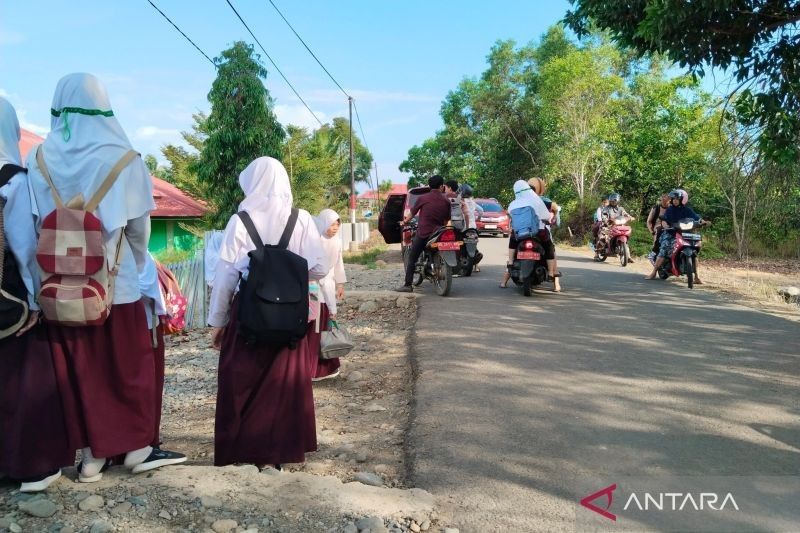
x=81 y=111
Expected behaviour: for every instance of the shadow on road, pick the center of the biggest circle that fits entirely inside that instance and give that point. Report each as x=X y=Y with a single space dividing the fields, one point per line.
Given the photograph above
x=616 y=376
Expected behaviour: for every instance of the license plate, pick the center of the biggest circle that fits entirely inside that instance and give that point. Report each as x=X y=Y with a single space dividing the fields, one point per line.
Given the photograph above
x=490 y=226
x=529 y=255
x=449 y=246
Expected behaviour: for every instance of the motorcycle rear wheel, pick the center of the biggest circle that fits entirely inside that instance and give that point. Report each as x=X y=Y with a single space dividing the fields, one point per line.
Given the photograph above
x=467 y=271
x=527 y=287
x=442 y=275
x=601 y=255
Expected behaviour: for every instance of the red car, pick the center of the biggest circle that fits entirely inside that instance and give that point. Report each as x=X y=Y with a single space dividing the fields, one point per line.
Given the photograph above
x=495 y=219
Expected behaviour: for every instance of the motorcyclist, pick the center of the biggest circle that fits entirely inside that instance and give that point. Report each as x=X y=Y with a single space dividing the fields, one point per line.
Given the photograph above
x=609 y=214
x=434 y=212
x=655 y=225
x=677 y=211
x=597 y=220
x=474 y=211
x=539 y=187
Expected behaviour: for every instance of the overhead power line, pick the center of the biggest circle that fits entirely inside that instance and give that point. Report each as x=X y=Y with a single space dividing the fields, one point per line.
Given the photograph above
x=273 y=62
x=182 y=33
x=309 y=49
x=360 y=127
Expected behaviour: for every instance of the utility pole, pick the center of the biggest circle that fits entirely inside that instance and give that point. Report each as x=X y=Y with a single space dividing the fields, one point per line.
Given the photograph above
x=352 y=173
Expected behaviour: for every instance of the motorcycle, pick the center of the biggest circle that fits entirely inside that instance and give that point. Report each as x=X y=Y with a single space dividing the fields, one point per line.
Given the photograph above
x=438 y=260
x=683 y=259
x=613 y=240
x=529 y=268
x=469 y=256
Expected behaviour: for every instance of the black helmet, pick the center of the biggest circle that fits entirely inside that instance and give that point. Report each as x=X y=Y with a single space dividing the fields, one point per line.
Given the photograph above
x=614 y=197
x=466 y=191
x=676 y=194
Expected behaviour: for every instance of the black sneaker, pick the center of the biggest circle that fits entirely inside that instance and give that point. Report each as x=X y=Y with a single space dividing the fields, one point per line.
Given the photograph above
x=404 y=288
x=157 y=459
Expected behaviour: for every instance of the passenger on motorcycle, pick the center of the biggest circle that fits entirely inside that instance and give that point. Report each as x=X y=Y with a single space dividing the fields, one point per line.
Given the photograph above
x=525 y=196
x=452 y=193
x=539 y=187
x=598 y=221
x=474 y=211
x=655 y=224
x=434 y=212
x=677 y=211
x=610 y=213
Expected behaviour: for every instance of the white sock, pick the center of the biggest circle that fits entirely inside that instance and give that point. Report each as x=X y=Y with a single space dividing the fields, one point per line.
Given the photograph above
x=137 y=456
x=91 y=465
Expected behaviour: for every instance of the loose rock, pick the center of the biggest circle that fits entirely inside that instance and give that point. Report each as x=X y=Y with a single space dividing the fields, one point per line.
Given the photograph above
x=355 y=376
x=368 y=307
x=374 y=408
x=372 y=523
x=39 y=508
x=101 y=526
x=122 y=508
x=369 y=479
x=15 y=528
x=92 y=503
x=224 y=526
x=350 y=528
x=165 y=515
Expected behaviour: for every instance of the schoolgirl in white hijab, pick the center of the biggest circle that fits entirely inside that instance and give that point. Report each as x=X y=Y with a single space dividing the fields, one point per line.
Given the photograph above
x=17 y=209
x=268 y=201
x=332 y=285
x=84 y=142
x=116 y=392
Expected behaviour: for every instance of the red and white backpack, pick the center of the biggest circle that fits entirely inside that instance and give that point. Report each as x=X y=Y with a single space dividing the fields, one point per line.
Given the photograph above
x=174 y=300
x=77 y=281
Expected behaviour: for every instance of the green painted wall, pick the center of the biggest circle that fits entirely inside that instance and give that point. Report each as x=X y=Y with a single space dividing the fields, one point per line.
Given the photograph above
x=167 y=234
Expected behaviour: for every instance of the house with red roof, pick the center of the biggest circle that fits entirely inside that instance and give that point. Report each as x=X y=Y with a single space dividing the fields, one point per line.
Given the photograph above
x=370 y=199
x=175 y=210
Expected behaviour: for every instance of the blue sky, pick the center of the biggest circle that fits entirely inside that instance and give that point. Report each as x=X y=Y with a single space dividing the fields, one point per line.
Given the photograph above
x=397 y=58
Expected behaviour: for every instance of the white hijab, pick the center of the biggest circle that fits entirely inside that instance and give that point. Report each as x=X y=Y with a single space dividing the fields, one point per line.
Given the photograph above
x=332 y=245
x=84 y=142
x=268 y=201
x=525 y=196
x=9 y=134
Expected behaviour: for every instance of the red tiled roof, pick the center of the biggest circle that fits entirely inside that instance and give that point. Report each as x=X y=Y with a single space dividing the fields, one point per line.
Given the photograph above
x=27 y=140
x=171 y=202
x=397 y=188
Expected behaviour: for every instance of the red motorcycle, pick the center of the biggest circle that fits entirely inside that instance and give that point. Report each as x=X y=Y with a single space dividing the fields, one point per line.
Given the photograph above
x=613 y=240
x=683 y=260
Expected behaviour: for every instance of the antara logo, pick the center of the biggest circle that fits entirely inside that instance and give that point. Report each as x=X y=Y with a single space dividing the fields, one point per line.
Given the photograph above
x=678 y=501
x=608 y=492
x=661 y=501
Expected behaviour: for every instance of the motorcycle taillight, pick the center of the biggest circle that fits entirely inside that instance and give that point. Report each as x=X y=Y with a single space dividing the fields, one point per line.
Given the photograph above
x=529 y=245
x=447 y=236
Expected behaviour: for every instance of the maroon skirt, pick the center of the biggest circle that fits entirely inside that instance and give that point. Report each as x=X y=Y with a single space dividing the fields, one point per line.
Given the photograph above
x=33 y=435
x=265 y=405
x=107 y=381
x=321 y=368
x=160 y=360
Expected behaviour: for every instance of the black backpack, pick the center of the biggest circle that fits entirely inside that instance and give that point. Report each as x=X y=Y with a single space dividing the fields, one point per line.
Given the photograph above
x=273 y=300
x=13 y=293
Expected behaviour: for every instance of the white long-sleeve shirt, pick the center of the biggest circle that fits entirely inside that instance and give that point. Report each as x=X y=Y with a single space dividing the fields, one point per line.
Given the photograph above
x=234 y=261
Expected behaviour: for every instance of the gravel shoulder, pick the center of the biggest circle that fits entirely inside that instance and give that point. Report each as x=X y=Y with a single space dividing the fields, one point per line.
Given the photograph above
x=356 y=481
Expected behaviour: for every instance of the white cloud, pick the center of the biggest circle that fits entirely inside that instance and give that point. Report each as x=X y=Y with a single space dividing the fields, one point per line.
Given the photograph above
x=10 y=38
x=22 y=114
x=298 y=115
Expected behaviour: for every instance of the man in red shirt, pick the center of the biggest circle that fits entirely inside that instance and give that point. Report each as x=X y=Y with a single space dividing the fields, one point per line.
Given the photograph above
x=434 y=212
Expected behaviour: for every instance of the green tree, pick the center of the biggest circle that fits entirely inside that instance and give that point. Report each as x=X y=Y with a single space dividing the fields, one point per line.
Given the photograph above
x=758 y=40
x=578 y=109
x=182 y=170
x=241 y=127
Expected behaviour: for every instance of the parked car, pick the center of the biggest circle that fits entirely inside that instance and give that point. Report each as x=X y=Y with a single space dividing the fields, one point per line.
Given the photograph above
x=396 y=207
x=495 y=219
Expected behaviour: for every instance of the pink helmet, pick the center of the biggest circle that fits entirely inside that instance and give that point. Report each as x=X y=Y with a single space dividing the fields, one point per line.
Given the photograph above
x=685 y=199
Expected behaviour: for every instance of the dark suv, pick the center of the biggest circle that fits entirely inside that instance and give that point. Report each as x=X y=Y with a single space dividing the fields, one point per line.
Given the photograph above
x=495 y=219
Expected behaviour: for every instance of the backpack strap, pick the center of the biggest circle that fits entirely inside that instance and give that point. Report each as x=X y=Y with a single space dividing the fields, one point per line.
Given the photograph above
x=46 y=173
x=251 y=229
x=98 y=196
x=8 y=171
x=289 y=230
